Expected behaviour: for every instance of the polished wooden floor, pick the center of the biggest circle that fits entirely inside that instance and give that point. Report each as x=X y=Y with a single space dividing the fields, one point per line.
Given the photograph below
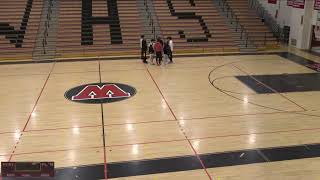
x=176 y=112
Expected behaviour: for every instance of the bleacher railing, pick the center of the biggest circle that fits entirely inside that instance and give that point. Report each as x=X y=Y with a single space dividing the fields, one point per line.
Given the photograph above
x=47 y=26
x=45 y=33
x=268 y=20
x=38 y=29
x=244 y=35
x=151 y=18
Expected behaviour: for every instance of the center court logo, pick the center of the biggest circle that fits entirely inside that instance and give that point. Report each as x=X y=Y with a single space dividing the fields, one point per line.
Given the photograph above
x=100 y=93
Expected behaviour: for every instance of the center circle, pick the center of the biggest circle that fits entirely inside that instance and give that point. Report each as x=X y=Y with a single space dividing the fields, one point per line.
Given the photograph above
x=97 y=93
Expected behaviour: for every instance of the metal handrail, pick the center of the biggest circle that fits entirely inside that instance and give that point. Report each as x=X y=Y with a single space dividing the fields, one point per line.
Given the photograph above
x=155 y=14
x=234 y=18
x=268 y=20
x=151 y=18
x=47 y=26
x=38 y=30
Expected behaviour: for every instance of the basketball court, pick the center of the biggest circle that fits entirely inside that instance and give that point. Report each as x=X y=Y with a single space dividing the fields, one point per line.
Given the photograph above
x=217 y=117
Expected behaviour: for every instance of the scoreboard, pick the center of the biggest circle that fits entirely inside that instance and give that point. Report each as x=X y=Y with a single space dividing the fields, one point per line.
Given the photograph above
x=27 y=169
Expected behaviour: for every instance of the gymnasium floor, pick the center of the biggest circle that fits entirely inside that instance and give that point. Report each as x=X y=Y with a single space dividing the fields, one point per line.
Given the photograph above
x=247 y=117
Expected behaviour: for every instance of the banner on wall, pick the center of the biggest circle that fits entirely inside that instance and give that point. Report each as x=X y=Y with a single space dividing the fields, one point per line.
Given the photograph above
x=316 y=33
x=317 y=4
x=298 y=4
x=289 y=2
x=272 y=1
x=315 y=44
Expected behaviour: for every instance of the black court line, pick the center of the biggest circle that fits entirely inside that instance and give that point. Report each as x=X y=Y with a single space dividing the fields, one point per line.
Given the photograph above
x=235 y=97
x=277 y=89
x=191 y=162
x=103 y=131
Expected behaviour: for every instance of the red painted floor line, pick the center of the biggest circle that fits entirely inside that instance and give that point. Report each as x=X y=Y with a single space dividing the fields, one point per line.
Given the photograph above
x=82 y=72
x=239 y=115
x=92 y=126
x=63 y=128
x=6 y=75
x=248 y=134
x=175 y=117
x=7 y=133
x=174 y=140
x=141 y=122
x=141 y=143
x=34 y=107
x=53 y=151
x=185 y=119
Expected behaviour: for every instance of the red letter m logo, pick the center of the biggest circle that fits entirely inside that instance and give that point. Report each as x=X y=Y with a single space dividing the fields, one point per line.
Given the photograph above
x=97 y=92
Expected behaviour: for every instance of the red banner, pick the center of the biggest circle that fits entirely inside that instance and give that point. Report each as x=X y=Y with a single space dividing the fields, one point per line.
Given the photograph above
x=272 y=1
x=317 y=4
x=289 y=2
x=298 y=4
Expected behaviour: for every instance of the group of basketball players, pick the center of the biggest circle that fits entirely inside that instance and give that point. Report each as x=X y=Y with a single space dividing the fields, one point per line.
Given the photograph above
x=159 y=49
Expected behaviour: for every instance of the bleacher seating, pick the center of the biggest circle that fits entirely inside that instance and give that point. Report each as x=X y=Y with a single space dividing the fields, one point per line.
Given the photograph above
x=194 y=24
x=106 y=35
x=256 y=29
x=113 y=27
x=19 y=22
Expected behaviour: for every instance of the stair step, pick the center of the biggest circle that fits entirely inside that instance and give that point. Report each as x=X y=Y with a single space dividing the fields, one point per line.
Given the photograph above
x=50 y=48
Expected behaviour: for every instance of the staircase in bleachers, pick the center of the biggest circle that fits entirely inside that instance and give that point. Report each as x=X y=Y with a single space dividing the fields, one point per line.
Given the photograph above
x=149 y=19
x=45 y=48
x=19 y=21
x=254 y=25
x=194 y=25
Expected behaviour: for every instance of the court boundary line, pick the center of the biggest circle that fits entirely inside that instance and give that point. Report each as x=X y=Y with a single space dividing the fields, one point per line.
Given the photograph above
x=96 y=58
x=30 y=114
x=264 y=157
x=75 y=72
x=104 y=126
x=178 y=123
x=169 y=120
x=81 y=72
x=167 y=141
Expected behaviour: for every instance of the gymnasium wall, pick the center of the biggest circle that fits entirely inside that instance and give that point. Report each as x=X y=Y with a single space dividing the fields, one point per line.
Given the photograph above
x=290 y=16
